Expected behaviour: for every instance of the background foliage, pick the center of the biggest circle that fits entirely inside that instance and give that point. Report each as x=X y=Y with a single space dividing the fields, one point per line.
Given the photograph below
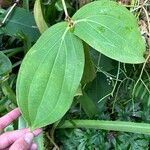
x=119 y=91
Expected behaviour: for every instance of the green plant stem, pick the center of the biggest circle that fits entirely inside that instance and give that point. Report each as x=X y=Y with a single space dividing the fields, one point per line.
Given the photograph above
x=17 y=64
x=17 y=50
x=11 y=50
x=26 y=4
x=115 y=84
x=142 y=128
x=140 y=77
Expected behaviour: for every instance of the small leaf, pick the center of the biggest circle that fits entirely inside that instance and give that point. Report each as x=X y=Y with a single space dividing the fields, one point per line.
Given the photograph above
x=88 y=105
x=38 y=15
x=49 y=76
x=111 y=29
x=79 y=91
x=89 y=68
x=5 y=64
x=142 y=91
x=8 y=92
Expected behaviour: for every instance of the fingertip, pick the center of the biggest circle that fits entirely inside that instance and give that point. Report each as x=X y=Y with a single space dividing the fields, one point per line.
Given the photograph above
x=29 y=138
x=36 y=132
x=23 y=143
x=9 y=117
x=16 y=111
x=33 y=147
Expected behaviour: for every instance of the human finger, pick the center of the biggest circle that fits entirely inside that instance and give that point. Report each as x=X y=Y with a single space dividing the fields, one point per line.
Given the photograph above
x=33 y=147
x=8 y=138
x=8 y=118
x=23 y=143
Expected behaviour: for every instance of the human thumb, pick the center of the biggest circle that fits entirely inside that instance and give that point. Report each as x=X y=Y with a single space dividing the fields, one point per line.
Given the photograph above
x=23 y=143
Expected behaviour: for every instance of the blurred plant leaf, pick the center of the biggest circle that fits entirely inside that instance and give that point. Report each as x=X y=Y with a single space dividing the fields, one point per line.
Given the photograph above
x=89 y=68
x=88 y=105
x=26 y=4
x=21 y=123
x=38 y=15
x=50 y=12
x=21 y=21
x=99 y=88
x=79 y=91
x=5 y=65
x=9 y=92
x=39 y=140
x=102 y=62
x=142 y=91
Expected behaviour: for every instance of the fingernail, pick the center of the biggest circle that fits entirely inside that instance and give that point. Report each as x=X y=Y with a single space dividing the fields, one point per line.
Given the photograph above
x=28 y=138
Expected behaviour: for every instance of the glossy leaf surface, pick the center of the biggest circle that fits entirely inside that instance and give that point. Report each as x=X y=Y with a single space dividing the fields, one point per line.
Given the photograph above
x=110 y=29
x=49 y=76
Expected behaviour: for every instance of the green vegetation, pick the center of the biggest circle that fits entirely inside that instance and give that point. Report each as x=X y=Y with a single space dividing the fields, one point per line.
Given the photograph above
x=79 y=70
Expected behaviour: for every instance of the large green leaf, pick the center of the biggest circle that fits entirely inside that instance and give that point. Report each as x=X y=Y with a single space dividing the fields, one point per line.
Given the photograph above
x=49 y=76
x=111 y=29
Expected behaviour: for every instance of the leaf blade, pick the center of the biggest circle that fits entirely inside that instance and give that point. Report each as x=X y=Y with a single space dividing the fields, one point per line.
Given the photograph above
x=58 y=81
x=112 y=30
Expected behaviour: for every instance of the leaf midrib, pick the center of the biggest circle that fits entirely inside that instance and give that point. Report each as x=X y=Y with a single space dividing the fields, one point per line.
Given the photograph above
x=89 y=20
x=61 y=42
x=21 y=24
x=60 y=90
x=38 y=68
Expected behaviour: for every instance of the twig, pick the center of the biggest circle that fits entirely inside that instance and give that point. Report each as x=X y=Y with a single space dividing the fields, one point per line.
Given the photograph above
x=9 y=12
x=51 y=140
x=114 y=88
x=140 y=77
x=147 y=18
x=65 y=9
